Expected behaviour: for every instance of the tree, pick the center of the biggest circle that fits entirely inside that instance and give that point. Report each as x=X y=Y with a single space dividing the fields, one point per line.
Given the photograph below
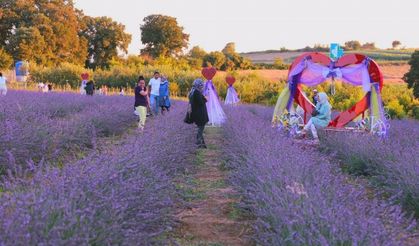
x=28 y=44
x=396 y=44
x=53 y=23
x=196 y=57
x=352 y=45
x=412 y=77
x=215 y=59
x=229 y=49
x=197 y=52
x=6 y=60
x=105 y=38
x=368 y=46
x=162 y=36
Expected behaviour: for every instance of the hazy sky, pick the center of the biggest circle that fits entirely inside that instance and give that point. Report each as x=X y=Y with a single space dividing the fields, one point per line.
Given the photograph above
x=270 y=24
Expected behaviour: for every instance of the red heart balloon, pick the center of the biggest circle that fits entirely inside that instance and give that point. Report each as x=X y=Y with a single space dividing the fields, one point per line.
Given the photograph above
x=85 y=76
x=344 y=117
x=230 y=80
x=209 y=72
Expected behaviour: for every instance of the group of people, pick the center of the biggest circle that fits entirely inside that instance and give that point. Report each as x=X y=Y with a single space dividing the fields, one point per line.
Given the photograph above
x=153 y=98
x=45 y=88
x=87 y=87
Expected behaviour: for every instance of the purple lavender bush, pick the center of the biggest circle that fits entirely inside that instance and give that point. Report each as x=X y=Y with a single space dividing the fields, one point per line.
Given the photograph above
x=43 y=127
x=392 y=163
x=297 y=196
x=121 y=195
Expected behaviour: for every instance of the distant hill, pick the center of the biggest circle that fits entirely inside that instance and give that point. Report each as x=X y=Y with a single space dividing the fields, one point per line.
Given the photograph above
x=381 y=56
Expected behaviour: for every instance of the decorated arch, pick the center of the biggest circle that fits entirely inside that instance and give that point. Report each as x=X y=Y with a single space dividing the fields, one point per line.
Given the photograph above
x=314 y=68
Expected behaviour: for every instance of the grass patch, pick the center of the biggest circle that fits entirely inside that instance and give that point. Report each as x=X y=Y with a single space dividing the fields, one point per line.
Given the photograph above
x=190 y=190
x=238 y=213
x=218 y=184
x=199 y=157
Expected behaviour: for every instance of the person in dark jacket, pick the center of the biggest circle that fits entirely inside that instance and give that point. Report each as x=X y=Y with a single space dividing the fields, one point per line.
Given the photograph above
x=141 y=101
x=199 y=112
x=90 y=87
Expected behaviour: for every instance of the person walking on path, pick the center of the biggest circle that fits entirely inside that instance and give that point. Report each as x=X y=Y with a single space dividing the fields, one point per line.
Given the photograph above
x=3 y=86
x=164 y=95
x=154 y=87
x=199 y=112
x=141 y=102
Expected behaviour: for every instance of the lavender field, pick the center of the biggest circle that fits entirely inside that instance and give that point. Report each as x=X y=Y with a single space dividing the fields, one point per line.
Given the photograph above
x=74 y=171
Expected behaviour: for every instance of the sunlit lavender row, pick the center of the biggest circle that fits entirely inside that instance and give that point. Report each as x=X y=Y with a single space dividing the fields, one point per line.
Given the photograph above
x=44 y=127
x=297 y=195
x=122 y=195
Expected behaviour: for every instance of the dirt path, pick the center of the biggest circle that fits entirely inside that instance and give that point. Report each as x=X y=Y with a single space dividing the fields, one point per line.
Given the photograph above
x=212 y=217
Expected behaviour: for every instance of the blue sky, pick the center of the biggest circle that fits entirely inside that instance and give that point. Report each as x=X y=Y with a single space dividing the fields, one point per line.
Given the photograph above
x=270 y=24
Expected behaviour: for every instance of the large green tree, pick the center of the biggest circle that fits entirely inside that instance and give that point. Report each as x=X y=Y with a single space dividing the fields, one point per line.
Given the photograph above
x=233 y=59
x=215 y=59
x=229 y=49
x=162 y=36
x=196 y=57
x=412 y=77
x=106 y=38
x=352 y=45
x=42 y=31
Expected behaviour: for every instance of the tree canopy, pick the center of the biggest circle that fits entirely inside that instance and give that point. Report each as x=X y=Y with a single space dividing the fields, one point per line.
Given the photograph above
x=162 y=36
x=105 y=38
x=53 y=32
x=395 y=44
x=412 y=77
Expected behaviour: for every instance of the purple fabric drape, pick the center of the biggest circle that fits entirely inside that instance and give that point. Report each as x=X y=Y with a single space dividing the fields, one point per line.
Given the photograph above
x=209 y=86
x=313 y=74
x=231 y=96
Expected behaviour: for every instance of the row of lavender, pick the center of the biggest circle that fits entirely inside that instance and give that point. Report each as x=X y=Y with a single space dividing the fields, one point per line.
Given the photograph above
x=38 y=127
x=122 y=196
x=296 y=194
x=392 y=164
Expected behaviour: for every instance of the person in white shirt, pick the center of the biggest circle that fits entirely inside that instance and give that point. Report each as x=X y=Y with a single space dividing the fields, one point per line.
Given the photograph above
x=40 y=86
x=45 y=88
x=83 y=87
x=154 y=88
x=3 y=87
x=121 y=92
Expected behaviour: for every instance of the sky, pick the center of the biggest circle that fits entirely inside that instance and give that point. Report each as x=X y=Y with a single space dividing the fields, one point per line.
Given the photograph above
x=255 y=25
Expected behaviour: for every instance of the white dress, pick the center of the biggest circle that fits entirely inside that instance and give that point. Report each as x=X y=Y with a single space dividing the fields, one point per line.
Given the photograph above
x=215 y=111
x=3 y=87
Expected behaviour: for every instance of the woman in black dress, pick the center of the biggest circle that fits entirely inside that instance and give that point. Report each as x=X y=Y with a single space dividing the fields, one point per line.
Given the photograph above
x=199 y=112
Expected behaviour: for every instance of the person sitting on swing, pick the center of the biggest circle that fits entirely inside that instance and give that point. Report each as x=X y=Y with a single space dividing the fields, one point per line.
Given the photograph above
x=321 y=116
